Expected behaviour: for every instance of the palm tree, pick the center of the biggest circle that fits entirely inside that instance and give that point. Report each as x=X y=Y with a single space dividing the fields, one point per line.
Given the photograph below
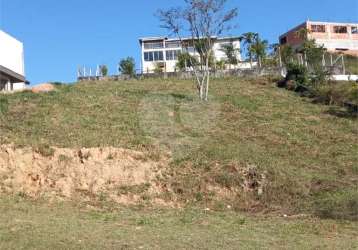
x=259 y=48
x=249 y=38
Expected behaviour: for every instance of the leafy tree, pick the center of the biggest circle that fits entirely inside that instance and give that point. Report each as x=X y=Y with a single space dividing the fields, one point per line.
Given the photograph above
x=185 y=60
x=287 y=54
x=221 y=64
x=313 y=55
x=231 y=53
x=104 y=70
x=127 y=66
x=204 y=20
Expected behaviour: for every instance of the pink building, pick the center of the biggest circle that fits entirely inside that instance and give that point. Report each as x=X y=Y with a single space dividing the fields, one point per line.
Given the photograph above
x=335 y=37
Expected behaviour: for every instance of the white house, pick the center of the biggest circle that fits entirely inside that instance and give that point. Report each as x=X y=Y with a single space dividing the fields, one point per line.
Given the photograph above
x=12 y=69
x=163 y=52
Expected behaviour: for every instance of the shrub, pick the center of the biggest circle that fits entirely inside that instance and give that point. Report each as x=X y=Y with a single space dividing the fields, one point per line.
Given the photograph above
x=158 y=68
x=127 y=66
x=103 y=70
x=297 y=73
x=338 y=93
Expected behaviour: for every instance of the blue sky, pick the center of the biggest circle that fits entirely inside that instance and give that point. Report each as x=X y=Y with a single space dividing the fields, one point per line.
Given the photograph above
x=60 y=35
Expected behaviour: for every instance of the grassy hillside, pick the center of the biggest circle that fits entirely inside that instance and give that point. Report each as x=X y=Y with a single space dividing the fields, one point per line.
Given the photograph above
x=304 y=154
x=253 y=147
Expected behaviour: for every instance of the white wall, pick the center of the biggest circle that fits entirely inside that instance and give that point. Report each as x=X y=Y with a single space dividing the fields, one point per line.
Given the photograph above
x=332 y=44
x=11 y=53
x=344 y=77
x=18 y=86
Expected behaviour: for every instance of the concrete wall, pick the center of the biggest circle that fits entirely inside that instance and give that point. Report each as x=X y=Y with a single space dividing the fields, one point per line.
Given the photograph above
x=18 y=86
x=11 y=53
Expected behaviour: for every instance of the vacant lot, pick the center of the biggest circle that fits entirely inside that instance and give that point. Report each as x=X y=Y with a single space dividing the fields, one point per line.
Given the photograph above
x=253 y=148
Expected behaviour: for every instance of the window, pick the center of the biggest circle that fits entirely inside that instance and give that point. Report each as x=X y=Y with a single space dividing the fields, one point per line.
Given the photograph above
x=172 y=44
x=148 y=56
x=172 y=55
x=158 y=55
x=340 y=29
x=318 y=28
x=283 y=40
x=354 y=30
x=153 y=45
x=153 y=56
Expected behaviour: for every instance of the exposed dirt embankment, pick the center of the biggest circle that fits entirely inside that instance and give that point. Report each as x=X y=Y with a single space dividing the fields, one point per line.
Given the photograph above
x=121 y=175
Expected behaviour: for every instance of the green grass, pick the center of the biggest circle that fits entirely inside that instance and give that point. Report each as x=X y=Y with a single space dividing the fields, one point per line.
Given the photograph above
x=304 y=149
x=38 y=225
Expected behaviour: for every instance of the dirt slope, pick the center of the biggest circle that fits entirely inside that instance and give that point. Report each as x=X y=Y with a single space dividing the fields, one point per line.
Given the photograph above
x=70 y=173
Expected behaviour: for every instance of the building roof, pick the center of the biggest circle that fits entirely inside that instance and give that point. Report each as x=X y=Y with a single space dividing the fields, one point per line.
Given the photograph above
x=149 y=39
x=14 y=77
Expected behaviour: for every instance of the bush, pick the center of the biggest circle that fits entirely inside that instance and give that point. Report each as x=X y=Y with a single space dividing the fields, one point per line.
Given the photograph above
x=158 y=68
x=297 y=73
x=103 y=70
x=127 y=66
x=338 y=93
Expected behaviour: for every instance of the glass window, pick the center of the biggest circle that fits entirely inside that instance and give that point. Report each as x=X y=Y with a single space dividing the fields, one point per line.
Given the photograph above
x=158 y=55
x=151 y=56
x=283 y=40
x=172 y=44
x=172 y=55
x=354 y=30
x=318 y=28
x=340 y=29
x=148 y=56
x=168 y=55
x=153 y=45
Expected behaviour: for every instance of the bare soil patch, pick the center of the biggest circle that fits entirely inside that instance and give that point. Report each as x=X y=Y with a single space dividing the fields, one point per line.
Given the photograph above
x=121 y=175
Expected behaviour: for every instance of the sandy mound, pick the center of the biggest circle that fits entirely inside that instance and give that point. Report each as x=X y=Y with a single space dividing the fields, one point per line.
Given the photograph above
x=110 y=173
x=43 y=88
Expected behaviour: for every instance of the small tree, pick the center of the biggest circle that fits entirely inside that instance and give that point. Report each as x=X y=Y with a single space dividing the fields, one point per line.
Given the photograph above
x=185 y=60
x=104 y=70
x=231 y=53
x=220 y=64
x=203 y=20
x=127 y=66
x=313 y=55
x=287 y=53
